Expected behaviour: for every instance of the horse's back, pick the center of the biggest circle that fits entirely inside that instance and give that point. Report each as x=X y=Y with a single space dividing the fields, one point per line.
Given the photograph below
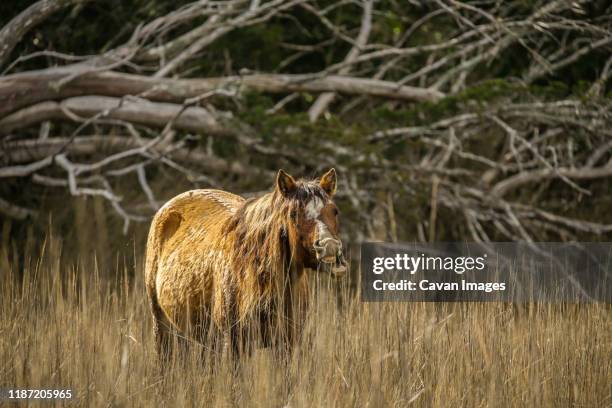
x=189 y=216
x=198 y=204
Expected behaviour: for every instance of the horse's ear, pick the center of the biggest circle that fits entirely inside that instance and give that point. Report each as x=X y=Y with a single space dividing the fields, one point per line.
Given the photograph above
x=328 y=182
x=285 y=183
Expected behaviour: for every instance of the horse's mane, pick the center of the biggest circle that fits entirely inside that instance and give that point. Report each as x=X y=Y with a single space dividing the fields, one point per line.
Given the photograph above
x=261 y=246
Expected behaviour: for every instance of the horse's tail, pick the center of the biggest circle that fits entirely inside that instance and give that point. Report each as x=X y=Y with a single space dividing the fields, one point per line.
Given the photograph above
x=164 y=225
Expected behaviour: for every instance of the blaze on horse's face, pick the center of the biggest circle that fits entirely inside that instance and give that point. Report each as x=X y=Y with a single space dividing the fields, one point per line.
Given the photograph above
x=314 y=223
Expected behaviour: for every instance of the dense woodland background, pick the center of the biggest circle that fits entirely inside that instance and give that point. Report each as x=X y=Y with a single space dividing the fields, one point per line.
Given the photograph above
x=446 y=120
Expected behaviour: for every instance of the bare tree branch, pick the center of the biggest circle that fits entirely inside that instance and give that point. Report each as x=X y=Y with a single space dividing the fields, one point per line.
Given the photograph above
x=323 y=100
x=503 y=187
x=155 y=114
x=20 y=90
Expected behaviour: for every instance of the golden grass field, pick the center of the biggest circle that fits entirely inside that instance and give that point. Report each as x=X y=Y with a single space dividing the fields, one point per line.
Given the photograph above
x=66 y=324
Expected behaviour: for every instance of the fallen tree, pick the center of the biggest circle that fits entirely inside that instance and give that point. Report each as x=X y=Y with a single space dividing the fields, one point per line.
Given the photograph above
x=444 y=119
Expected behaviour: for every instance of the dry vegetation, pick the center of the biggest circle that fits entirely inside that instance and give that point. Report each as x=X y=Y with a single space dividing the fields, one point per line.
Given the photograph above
x=65 y=322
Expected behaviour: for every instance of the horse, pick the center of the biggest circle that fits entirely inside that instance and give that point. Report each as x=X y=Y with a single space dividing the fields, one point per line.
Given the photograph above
x=217 y=263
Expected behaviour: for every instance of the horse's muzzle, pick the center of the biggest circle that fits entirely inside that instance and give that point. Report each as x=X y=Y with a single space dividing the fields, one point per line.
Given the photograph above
x=330 y=256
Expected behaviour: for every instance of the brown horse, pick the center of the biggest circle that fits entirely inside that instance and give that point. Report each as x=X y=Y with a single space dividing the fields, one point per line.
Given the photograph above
x=217 y=263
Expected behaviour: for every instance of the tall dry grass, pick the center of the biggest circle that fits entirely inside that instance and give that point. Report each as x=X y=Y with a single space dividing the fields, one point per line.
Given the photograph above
x=68 y=322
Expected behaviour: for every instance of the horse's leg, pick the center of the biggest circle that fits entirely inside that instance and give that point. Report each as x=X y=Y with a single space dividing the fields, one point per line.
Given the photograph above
x=265 y=328
x=231 y=349
x=163 y=339
x=207 y=335
x=232 y=333
x=162 y=329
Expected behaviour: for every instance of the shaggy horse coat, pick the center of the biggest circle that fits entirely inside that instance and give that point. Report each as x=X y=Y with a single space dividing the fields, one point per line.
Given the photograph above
x=217 y=263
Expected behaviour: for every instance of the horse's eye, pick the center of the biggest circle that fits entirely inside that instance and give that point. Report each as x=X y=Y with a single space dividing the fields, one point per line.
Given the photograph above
x=335 y=211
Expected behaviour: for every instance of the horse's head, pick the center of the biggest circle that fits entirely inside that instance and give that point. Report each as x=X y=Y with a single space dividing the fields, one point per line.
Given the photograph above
x=313 y=225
